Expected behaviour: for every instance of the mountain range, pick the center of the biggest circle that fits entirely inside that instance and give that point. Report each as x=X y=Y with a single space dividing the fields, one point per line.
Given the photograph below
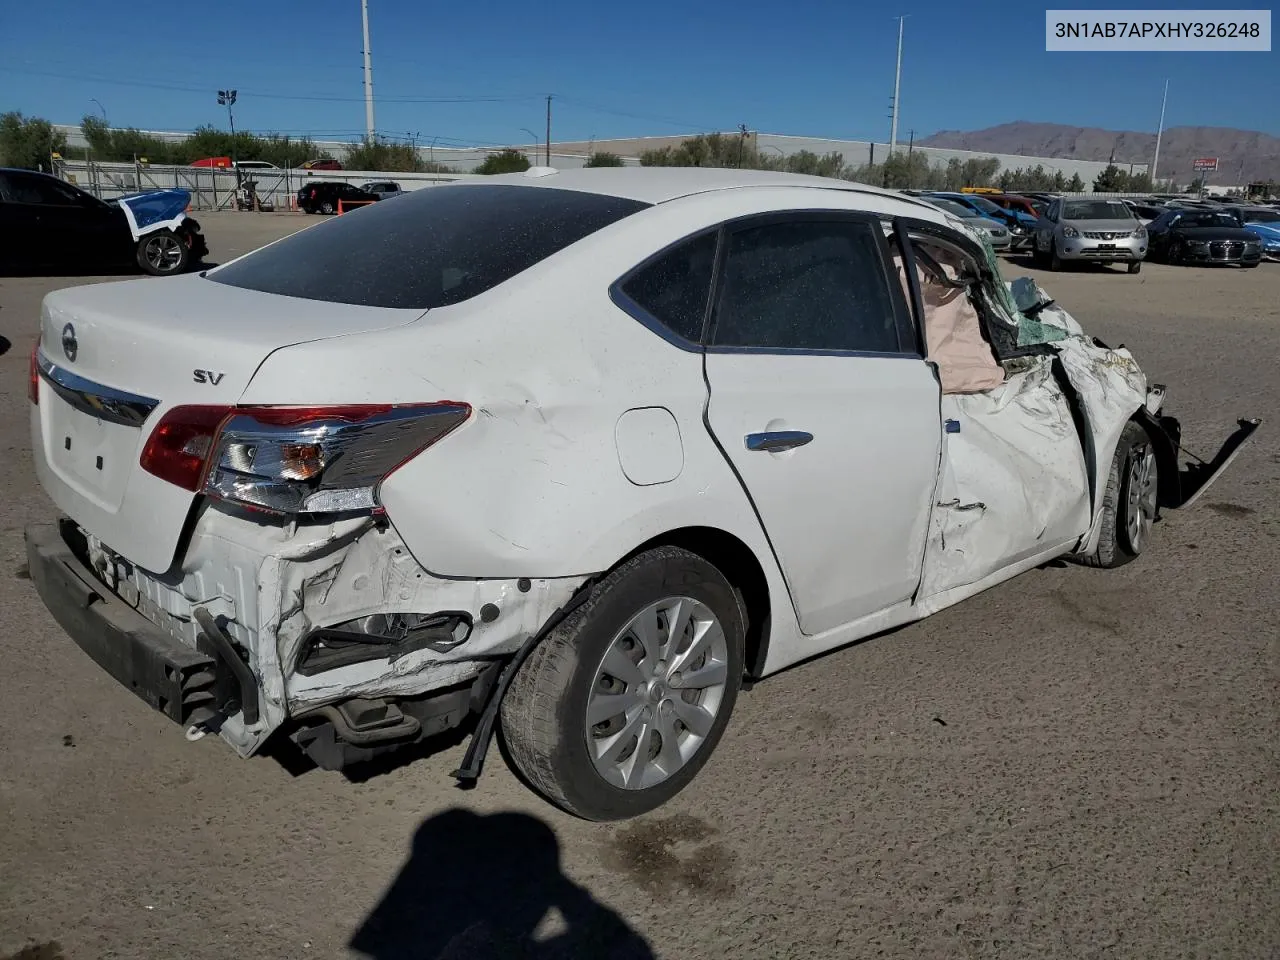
x=1243 y=155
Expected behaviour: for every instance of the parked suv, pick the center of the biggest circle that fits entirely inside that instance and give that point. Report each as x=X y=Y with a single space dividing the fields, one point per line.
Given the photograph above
x=383 y=189
x=330 y=491
x=323 y=196
x=1101 y=231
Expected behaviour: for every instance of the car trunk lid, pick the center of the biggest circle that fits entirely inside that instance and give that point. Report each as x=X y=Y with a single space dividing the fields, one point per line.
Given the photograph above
x=115 y=357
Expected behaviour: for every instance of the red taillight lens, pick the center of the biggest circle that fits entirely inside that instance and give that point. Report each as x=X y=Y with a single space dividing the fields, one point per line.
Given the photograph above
x=33 y=382
x=294 y=460
x=178 y=448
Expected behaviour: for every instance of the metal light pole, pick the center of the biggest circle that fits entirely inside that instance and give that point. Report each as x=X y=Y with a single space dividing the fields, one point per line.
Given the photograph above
x=102 y=109
x=897 y=80
x=548 y=129
x=368 y=73
x=1159 y=132
x=227 y=98
x=536 y=143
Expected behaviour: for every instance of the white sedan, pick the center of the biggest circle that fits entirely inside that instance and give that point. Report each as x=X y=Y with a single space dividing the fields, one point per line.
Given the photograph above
x=572 y=455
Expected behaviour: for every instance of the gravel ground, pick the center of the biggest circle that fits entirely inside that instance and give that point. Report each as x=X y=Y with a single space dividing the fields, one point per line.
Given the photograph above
x=1075 y=764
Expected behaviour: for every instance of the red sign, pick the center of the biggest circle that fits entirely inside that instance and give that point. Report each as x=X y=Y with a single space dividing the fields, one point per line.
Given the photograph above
x=1205 y=163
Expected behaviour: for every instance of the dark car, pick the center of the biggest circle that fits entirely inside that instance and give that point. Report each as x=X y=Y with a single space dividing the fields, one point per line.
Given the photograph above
x=323 y=197
x=48 y=223
x=1192 y=235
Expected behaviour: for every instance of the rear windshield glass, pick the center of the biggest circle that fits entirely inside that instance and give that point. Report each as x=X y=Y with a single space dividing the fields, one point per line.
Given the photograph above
x=431 y=248
x=1097 y=210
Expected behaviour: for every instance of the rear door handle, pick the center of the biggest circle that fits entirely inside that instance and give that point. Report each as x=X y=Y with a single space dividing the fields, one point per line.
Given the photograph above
x=777 y=440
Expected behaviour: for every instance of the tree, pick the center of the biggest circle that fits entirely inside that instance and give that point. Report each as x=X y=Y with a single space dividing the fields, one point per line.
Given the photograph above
x=604 y=159
x=28 y=141
x=1110 y=180
x=372 y=154
x=1075 y=184
x=509 y=160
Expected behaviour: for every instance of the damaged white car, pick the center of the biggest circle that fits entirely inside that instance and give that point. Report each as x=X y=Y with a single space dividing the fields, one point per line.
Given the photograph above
x=573 y=455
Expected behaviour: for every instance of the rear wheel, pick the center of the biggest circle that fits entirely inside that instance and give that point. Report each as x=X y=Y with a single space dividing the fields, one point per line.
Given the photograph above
x=163 y=253
x=1249 y=266
x=620 y=705
x=1130 y=502
x=326 y=207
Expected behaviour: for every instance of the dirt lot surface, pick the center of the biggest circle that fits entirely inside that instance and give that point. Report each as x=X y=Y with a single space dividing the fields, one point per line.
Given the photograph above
x=1075 y=764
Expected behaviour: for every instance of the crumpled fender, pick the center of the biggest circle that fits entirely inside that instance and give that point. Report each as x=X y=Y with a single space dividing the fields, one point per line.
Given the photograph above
x=156 y=210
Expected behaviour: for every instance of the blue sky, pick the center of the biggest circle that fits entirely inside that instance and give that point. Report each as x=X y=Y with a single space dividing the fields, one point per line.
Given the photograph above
x=616 y=69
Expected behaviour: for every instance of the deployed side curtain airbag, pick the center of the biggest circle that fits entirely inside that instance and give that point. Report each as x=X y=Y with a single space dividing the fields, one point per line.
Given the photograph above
x=952 y=330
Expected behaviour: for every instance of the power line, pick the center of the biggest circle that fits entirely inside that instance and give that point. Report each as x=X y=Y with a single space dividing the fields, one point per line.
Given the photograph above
x=263 y=95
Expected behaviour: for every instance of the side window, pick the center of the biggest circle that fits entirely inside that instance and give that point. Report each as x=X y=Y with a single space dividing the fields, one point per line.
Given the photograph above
x=807 y=285
x=48 y=193
x=673 y=289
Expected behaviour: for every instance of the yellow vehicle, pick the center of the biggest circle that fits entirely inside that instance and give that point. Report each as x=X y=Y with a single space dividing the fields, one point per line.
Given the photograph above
x=980 y=190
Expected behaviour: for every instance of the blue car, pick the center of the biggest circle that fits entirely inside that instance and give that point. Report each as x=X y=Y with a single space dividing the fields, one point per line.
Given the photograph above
x=1266 y=224
x=1021 y=225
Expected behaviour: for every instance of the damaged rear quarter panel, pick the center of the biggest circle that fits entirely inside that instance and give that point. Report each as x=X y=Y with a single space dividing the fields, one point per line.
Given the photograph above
x=531 y=485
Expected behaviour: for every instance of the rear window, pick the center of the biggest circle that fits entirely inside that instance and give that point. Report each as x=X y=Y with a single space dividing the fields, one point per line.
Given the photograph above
x=431 y=248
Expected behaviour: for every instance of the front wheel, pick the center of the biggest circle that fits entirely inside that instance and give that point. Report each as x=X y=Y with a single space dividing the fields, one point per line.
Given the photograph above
x=621 y=704
x=163 y=253
x=1135 y=267
x=1130 y=503
x=1055 y=261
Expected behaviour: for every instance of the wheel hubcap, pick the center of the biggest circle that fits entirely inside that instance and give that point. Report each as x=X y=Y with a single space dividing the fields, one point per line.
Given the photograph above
x=1140 y=513
x=656 y=693
x=163 y=253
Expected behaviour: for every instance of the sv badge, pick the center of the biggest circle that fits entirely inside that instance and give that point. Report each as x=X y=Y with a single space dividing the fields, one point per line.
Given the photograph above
x=207 y=376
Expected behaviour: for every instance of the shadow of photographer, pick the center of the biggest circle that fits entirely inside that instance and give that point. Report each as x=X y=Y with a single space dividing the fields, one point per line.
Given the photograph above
x=480 y=887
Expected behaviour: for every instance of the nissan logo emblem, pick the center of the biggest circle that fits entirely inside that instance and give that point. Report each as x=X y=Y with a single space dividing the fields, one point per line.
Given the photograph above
x=70 y=346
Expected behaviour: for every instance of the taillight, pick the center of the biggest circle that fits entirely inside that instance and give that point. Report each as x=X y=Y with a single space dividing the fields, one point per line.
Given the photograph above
x=295 y=460
x=179 y=446
x=33 y=379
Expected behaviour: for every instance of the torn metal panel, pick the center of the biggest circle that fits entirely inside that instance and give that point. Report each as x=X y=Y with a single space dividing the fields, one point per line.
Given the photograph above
x=270 y=586
x=1013 y=482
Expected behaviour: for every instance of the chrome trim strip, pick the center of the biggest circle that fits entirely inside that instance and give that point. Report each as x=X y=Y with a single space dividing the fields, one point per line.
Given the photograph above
x=95 y=399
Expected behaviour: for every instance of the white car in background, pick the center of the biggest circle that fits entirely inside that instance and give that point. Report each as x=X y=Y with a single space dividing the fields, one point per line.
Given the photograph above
x=576 y=453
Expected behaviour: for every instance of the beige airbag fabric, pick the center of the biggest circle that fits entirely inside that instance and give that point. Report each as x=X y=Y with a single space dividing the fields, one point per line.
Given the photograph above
x=953 y=334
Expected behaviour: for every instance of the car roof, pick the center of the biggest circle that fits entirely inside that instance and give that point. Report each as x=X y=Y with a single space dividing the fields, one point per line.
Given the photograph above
x=662 y=184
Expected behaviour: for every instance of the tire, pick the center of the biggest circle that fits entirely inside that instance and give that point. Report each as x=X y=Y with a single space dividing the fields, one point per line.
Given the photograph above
x=1248 y=266
x=1055 y=261
x=326 y=207
x=1135 y=267
x=583 y=767
x=1129 y=504
x=163 y=253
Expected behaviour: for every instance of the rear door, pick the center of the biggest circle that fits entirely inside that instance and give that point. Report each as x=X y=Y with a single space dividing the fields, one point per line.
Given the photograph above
x=824 y=407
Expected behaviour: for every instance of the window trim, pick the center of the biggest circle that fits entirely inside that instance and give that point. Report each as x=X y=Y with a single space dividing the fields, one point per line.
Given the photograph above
x=623 y=301
x=903 y=322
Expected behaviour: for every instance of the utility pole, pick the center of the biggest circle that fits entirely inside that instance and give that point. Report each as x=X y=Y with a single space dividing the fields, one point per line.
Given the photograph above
x=368 y=73
x=1159 y=131
x=897 y=78
x=742 y=143
x=548 y=130
x=227 y=98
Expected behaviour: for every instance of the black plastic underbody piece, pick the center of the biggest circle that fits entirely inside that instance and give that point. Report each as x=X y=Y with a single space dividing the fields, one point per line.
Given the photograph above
x=240 y=689
x=473 y=760
x=329 y=648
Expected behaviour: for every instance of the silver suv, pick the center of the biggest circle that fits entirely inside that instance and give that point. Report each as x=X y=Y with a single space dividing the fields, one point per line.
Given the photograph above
x=1100 y=230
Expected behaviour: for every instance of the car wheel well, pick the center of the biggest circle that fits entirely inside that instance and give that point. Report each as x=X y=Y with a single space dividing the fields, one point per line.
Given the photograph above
x=738 y=563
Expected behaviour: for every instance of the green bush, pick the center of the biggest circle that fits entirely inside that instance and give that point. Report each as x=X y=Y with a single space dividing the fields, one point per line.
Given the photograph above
x=509 y=160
